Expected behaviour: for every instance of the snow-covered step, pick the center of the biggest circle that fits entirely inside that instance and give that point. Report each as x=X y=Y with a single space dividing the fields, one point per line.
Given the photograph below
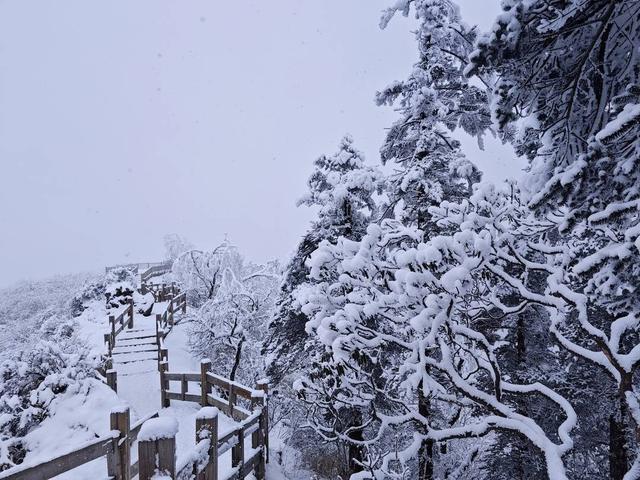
x=135 y=346
x=127 y=352
x=133 y=373
x=136 y=360
x=132 y=343
x=136 y=330
x=139 y=336
x=129 y=356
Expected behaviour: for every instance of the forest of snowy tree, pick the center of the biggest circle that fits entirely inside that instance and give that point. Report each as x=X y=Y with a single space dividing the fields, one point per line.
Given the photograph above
x=436 y=326
x=429 y=325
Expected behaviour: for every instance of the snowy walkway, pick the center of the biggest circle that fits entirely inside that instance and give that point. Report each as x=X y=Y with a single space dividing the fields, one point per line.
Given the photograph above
x=139 y=380
x=138 y=387
x=139 y=383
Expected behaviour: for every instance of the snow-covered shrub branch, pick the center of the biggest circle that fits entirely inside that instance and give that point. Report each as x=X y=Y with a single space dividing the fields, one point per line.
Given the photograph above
x=399 y=318
x=238 y=298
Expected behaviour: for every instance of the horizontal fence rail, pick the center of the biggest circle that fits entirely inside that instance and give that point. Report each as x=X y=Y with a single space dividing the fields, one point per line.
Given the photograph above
x=118 y=324
x=155 y=271
x=252 y=417
x=135 y=267
x=112 y=446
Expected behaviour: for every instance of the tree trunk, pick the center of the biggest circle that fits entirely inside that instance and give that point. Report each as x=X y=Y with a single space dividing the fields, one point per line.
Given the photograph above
x=521 y=345
x=236 y=360
x=617 y=448
x=425 y=454
x=356 y=455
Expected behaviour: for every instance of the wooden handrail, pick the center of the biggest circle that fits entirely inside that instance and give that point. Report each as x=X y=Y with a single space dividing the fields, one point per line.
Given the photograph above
x=135 y=266
x=155 y=271
x=116 y=445
x=63 y=463
x=110 y=338
x=253 y=423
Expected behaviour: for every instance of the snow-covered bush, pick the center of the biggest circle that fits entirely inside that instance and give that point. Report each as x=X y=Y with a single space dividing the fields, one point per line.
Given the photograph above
x=31 y=379
x=143 y=303
x=93 y=291
x=230 y=326
x=26 y=305
x=121 y=274
x=119 y=293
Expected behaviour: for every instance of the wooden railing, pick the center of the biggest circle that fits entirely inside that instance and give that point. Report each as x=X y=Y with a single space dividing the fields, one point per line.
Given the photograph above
x=118 y=324
x=161 y=291
x=156 y=453
x=155 y=271
x=164 y=324
x=166 y=319
x=135 y=267
x=253 y=418
x=116 y=446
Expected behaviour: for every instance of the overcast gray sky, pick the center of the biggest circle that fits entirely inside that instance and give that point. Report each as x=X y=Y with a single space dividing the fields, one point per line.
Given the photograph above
x=123 y=121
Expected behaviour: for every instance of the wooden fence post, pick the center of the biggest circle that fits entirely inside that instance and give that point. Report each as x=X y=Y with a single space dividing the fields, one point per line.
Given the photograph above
x=184 y=387
x=112 y=321
x=237 y=451
x=264 y=419
x=205 y=367
x=107 y=340
x=112 y=380
x=131 y=306
x=157 y=448
x=257 y=438
x=232 y=400
x=108 y=363
x=119 y=461
x=170 y=310
x=164 y=385
x=207 y=426
x=184 y=303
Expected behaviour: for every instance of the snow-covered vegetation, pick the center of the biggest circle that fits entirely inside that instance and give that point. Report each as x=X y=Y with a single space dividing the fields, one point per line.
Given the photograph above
x=49 y=384
x=231 y=302
x=429 y=325
x=458 y=329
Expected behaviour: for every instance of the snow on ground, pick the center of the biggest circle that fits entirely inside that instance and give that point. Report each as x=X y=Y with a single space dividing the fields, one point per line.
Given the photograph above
x=92 y=324
x=139 y=386
x=77 y=416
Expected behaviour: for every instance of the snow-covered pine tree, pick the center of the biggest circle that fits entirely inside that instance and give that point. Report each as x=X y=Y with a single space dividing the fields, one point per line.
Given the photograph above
x=342 y=187
x=397 y=313
x=568 y=80
x=433 y=101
